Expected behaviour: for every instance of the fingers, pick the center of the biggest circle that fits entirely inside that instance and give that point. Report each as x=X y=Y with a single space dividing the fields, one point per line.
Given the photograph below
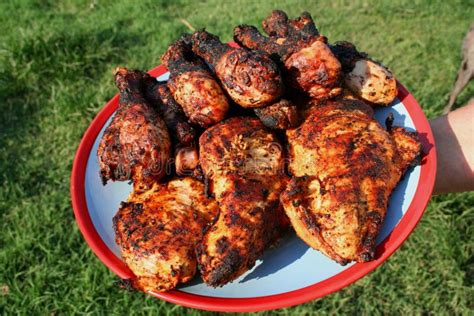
x=276 y=24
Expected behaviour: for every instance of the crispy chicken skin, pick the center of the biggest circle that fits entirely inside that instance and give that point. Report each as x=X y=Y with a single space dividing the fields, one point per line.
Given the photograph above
x=250 y=78
x=309 y=64
x=243 y=163
x=368 y=79
x=344 y=167
x=157 y=230
x=193 y=86
x=136 y=144
x=280 y=115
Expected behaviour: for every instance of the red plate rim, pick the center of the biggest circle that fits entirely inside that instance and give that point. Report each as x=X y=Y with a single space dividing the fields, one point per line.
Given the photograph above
x=396 y=238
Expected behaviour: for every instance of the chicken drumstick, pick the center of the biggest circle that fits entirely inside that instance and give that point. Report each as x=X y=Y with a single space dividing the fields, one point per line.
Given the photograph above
x=250 y=78
x=136 y=145
x=193 y=86
x=309 y=63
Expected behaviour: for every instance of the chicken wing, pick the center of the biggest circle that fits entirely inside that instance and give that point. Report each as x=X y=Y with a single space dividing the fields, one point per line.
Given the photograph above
x=244 y=164
x=309 y=64
x=157 y=230
x=365 y=77
x=136 y=144
x=250 y=78
x=344 y=167
x=193 y=86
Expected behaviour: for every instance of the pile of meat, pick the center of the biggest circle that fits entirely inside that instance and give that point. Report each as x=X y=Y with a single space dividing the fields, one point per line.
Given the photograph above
x=243 y=144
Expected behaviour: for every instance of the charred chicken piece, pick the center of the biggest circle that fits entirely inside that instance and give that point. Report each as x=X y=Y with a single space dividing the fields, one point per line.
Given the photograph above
x=159 y=95
x=157 y=230
x=250 y=78
x=365 y=77
x=243 y=163
x=280 y=115
x=182 y=133
x=136 y=145
x=309 y=63
x=193 y=86
x=344 y=167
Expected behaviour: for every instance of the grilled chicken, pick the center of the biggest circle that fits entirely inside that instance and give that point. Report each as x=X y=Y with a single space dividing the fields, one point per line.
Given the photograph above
x=344 y=167
x=309 y=63
x=136 y=144
x=182 y=133
x=368 y=79
x=250 y=78
x=193 y=86
x=243 y=163
x=159 y=95
x=157 y=230
x=280 y=115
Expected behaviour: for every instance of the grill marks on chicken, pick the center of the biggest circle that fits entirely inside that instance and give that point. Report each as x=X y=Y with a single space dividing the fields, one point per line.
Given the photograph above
x=136 y=144
x=250 y=78
x=243 y=163
x=367 y=78
x=157 y=230
x=345 y=166
x=309 y=63
x=193 y=86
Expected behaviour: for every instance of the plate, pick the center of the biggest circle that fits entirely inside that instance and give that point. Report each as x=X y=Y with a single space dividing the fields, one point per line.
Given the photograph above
x=290 y=274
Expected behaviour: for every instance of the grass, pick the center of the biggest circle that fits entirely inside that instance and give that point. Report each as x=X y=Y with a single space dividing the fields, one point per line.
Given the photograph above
x=55 y=75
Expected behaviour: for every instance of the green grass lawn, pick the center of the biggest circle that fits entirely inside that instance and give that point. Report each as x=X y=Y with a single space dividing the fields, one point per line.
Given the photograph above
x=56 y=66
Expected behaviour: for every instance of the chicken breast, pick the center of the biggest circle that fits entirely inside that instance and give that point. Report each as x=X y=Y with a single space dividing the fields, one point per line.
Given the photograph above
x=344 y=167
x=243 y=163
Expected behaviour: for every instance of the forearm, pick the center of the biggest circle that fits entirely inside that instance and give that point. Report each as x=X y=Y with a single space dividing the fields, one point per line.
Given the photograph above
x=454 y=137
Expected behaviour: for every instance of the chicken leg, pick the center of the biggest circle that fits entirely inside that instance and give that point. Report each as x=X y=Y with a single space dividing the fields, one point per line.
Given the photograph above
x=309 y=64
x=181 y=132
x=136 y=145
x=193 y=86
x=250 y=78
